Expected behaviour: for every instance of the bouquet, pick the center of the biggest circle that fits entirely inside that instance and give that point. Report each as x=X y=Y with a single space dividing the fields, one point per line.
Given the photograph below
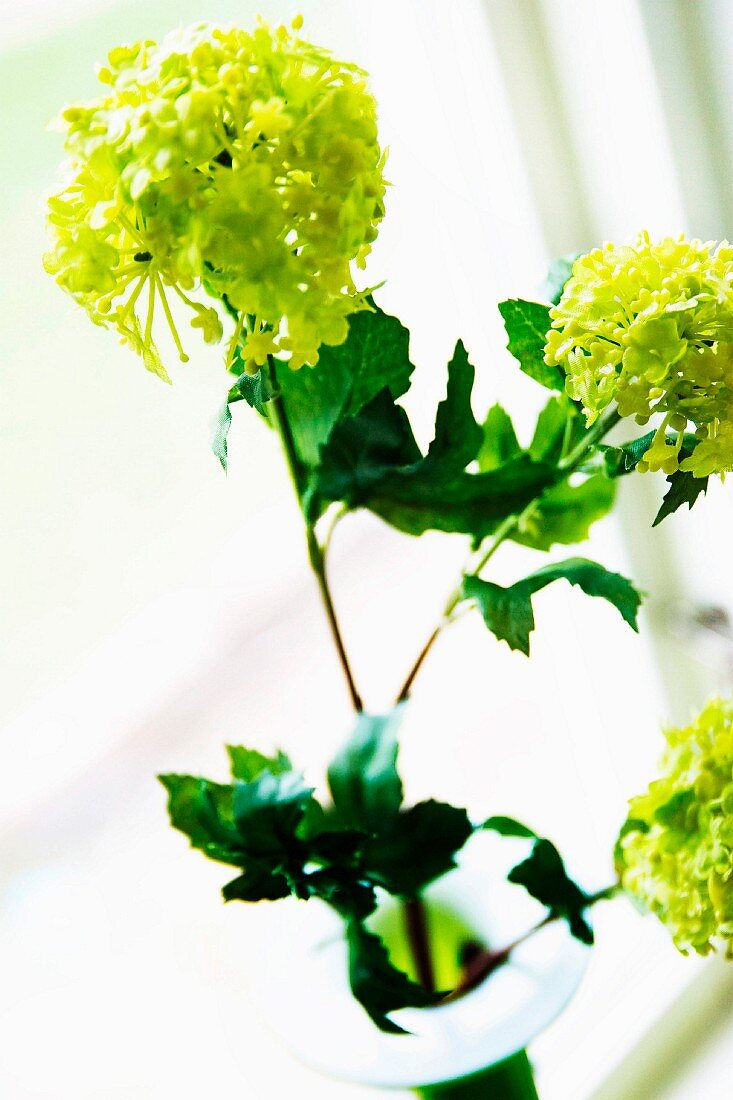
x=239 y=174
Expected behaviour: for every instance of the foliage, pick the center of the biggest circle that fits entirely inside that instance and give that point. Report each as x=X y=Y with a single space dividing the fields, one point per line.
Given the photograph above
x=508 y=611
x=268 y=825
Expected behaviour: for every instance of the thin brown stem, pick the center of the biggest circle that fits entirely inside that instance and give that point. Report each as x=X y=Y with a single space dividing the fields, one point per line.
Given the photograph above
x=474 y=566
x=483 y=964
x=416 y=928
x=316 y=554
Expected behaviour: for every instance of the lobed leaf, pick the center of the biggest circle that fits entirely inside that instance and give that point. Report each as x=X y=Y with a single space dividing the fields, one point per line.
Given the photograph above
x=379 y=987
x=417 y=847
x=543 y=875
x=500 y=443
x=247 y=764
x=363 y=778
x=458 y=437
x=203 y=811
x=566 y=512
x=527 y=325
x=508 y=611
x=374 y=357
x=684 y=488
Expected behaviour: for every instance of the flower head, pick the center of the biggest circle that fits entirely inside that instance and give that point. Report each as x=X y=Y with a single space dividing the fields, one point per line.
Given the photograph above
x=650 y=326
x=242 y=164
x=675 y=851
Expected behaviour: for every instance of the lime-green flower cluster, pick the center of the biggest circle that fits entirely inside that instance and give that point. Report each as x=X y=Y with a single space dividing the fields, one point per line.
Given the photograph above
x=675 y=852
x=650 y=326
x=243 y=164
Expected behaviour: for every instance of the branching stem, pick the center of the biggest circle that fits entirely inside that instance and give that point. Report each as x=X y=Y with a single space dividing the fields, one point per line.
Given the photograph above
x=484 y=963
x=476 y=563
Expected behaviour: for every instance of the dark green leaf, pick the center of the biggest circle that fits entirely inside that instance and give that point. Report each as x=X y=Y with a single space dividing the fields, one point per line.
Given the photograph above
x=375 y=356
x=566 y=513
x=508 y=611
x=557 y=276
x=351 y=897
x=379 y=986
x=418 y=847
x=372 y=461
x=415 y=501
x=247 y=764
x=203 y=811
x=364 y=450
x=500 y=442
x=267 y=812
x=507 y=826
x=543 y=875
x=366 y=789
x=626 y=457
x=220 y=426
x=684 y=488
x=527 y=325
x=457 y=435
x=258 y=883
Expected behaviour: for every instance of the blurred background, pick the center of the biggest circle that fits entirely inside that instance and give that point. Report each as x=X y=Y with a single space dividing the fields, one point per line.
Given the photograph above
x=153 y=608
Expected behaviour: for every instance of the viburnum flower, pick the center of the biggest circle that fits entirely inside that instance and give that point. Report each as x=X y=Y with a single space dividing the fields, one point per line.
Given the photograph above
x=650 y=326
x=675 y=851
x=242 y=165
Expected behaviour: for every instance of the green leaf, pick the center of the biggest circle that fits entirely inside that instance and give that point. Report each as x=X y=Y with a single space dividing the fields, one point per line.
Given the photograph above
x=558 y=274
x=415 y=501
x=364 y=450
x=527 y=325
x=378 y=986
x=372 y=461
x=684 y=488
x=220 y=426
x=508 y=826
x=508 y=611
x=457 y=435
x=375 y=356
x=363 y=779
x=255 y=389
x=559 y=426
x=566 y=512
x=247 y=764
x=203 y=811
x=543 y=875
x=500 y=442
x=340 y=888
x=258 y=883
x=626 y=457
x=267 y=812
x=417 y=848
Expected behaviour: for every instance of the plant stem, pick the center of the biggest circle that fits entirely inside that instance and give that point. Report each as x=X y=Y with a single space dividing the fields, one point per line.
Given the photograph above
x=565 y=467
x=483 y=964
x=511 y=1079
x=316 y=555
x=416 y=927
